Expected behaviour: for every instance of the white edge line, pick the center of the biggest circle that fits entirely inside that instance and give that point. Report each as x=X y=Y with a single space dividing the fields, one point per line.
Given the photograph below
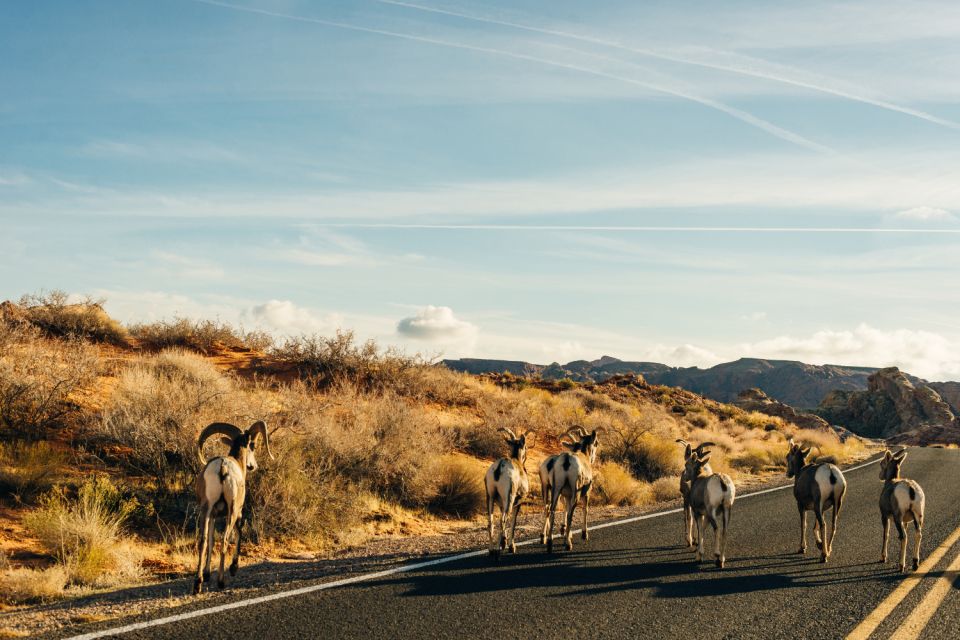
x=380 y=574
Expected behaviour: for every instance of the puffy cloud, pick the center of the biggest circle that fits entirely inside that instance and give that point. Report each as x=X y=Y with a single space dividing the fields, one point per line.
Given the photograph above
x=284 y=317
x=925 y=214
x=922 y=353
x=436 y=323
x=684 y=355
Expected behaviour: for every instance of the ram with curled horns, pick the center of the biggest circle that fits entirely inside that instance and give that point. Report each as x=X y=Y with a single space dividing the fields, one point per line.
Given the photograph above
x=221 y=489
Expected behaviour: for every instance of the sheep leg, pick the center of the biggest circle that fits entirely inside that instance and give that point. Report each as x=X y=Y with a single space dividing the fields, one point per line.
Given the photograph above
x=712 y=518
x=803 y=530
x=886 y=538
x=546 y=515
x=225 y=549
x=688 y=525
x=202 y=550
x=833 y=523
x=586 y=504
x=235 y=565
x=700 y=526
x=918 y=526
x=504 y=516
x=554 y=498
x=563 y=523
x=903 y=543
x=822 y=528
x=211 y=543
x=490 y=522
x=722 y=558
x=513 y=527
x=571 y=507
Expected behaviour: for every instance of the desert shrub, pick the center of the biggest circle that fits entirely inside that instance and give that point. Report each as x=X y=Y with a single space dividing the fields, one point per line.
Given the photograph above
x=301 y=496
x=460 y=490
x=55 y=316
x=757 y=458
x=666 y=488
x=28 y=469
x=85 y=535
x=615 y=486
x=479 y=439
x=650 y=457
x=37 y=376
x=204 y=336
x=327 y=361
x=23 y=585
x=382 y=442
x=157 y=408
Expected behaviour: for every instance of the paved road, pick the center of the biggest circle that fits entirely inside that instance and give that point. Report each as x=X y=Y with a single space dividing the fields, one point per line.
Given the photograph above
x=634 y=581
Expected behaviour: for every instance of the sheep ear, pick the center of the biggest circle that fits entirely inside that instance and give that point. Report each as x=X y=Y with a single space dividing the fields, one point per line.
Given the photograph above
x=887 y=455
x=900 y=456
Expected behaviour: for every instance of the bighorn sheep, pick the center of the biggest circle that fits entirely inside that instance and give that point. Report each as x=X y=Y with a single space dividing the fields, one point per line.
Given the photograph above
x=572 y=478
x=818 y=487
x=546 y=467
x=710 y=497
x=507 y=485
x=685 y=481
x=221 y=489
x=901 y=501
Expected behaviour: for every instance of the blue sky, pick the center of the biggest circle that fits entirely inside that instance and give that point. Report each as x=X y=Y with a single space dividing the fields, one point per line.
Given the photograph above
x=683 y=182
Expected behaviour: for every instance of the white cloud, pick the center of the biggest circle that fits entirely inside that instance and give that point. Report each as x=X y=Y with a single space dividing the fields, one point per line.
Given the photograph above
x=286 y=318
x=436 y=324
x=921 y=353
x=925 y=214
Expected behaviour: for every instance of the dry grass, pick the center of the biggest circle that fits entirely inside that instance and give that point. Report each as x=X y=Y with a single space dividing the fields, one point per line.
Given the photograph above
x=56 y=317
x=203 y=336
x=37 y=377
x=666 y=488
x=86 y=535
x=460 y=492
x=616 y=486
x=28 y=469
x=23 y=585
x=156 y=410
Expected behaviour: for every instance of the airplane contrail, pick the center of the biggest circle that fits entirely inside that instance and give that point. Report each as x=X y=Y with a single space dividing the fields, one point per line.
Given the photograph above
x=755 y=73
x=629 y=228
x=739 y=114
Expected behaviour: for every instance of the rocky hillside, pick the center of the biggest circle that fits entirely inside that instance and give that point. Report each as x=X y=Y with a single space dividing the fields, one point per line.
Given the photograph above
x=895 y=407
x=790 y=382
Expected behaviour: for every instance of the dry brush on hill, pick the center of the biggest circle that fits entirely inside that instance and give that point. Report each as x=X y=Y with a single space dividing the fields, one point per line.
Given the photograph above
x=98 y=426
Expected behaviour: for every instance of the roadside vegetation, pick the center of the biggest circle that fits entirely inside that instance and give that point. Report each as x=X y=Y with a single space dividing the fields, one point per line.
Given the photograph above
x=98 y=424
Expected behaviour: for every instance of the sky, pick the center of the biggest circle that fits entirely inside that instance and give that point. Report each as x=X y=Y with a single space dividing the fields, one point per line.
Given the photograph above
x=683 y=182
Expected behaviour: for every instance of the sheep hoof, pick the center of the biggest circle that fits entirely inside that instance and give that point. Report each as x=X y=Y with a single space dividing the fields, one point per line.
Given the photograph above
x=543 y=539
x=883 y=559
x=720 y=562
x=221 y=584
x=585 y=535
x=569 y=545
x=903 y=568
x=197 y=586
x=802 y=551
x=513 y=547
x=823 y=559
x=916 y=563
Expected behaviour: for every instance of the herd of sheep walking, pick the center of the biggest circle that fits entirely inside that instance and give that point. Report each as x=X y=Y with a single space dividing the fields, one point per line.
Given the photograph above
x=819 y=486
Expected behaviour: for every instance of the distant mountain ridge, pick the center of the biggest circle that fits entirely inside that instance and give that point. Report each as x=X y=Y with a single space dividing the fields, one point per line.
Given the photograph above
x=791 y=382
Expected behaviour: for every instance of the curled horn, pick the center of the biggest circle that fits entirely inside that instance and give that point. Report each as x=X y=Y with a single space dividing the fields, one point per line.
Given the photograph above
x=509 y=432
x=683 y=442
x=532 y=435
x=260 y=428
x=704 y=445
x=224 y=428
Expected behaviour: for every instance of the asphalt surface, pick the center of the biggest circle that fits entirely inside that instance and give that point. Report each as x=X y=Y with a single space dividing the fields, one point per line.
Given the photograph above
x=636 y=580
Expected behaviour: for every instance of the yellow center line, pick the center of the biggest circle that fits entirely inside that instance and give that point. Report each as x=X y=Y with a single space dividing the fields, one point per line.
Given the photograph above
x=916 y=621
x=885 y=608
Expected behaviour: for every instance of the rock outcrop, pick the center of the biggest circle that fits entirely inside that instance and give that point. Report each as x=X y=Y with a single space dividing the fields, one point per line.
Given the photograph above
x=891 y=406
x=756 y=400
